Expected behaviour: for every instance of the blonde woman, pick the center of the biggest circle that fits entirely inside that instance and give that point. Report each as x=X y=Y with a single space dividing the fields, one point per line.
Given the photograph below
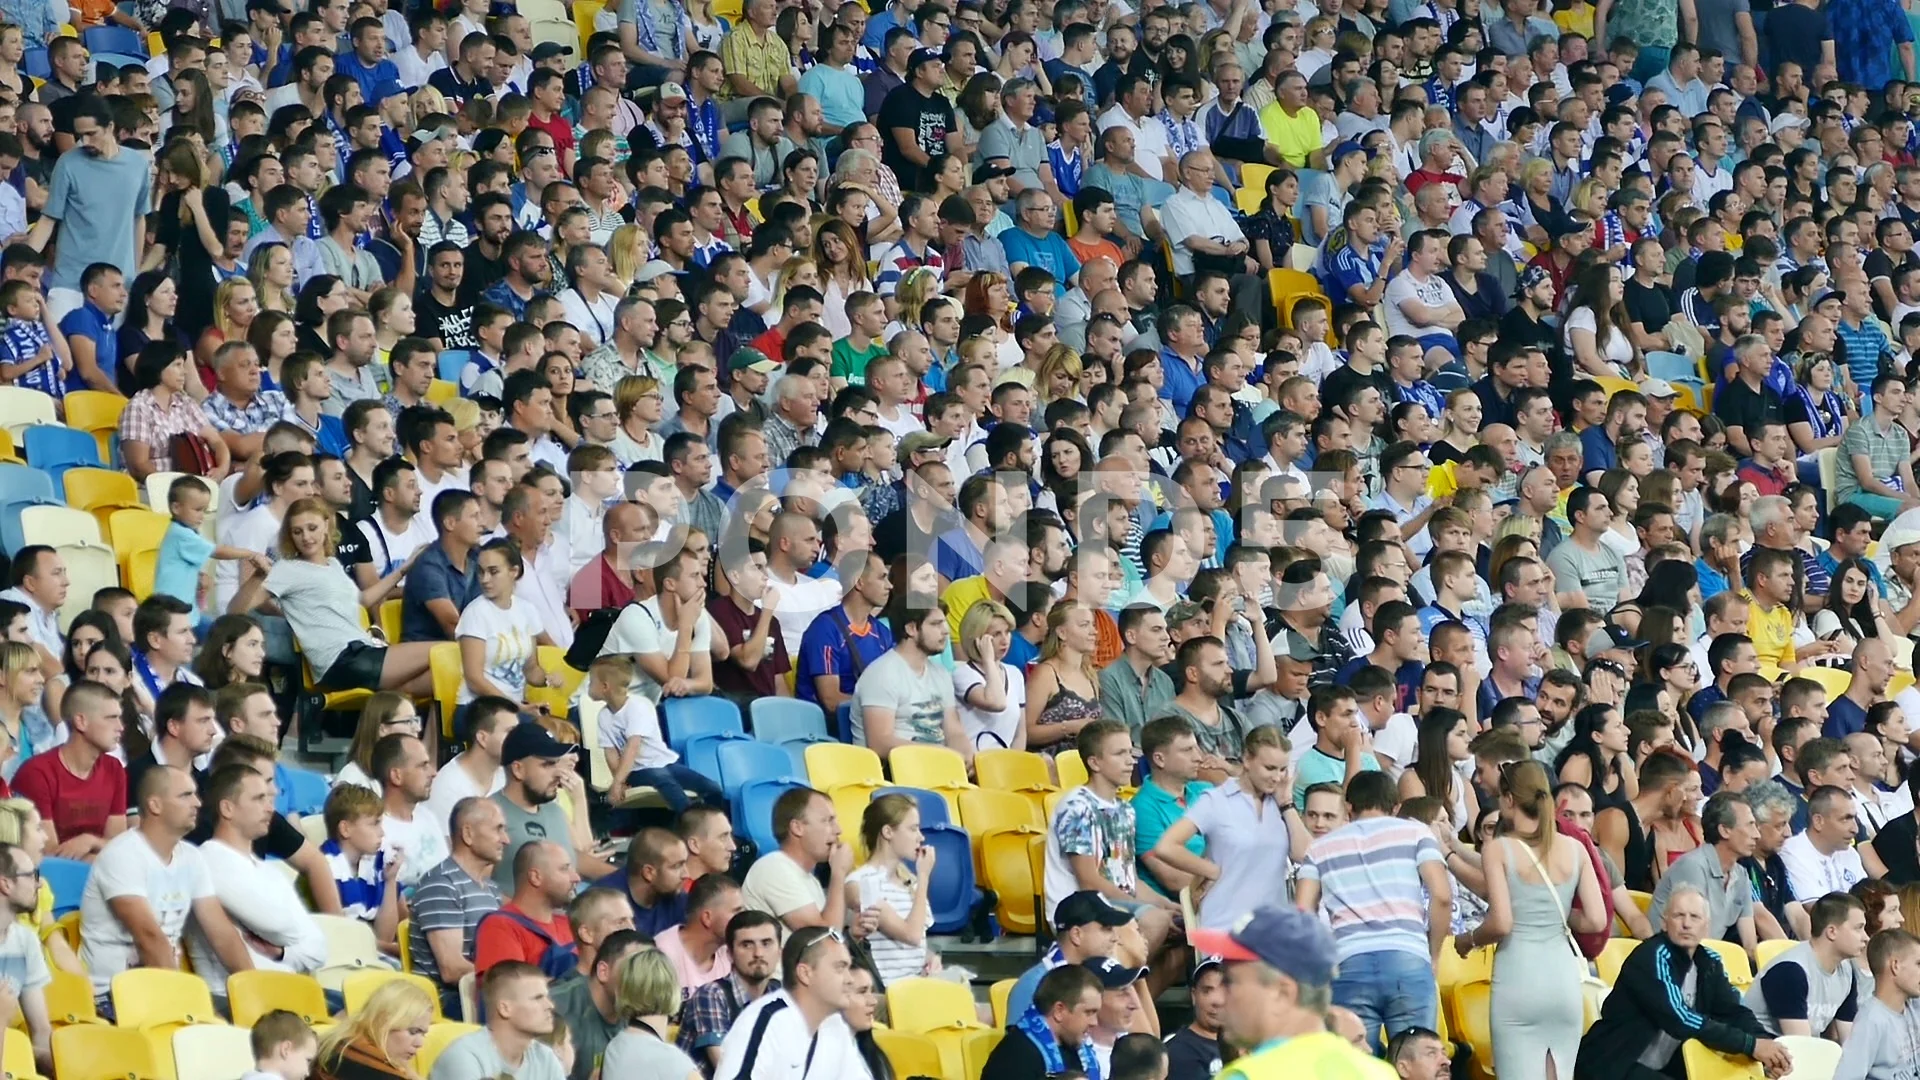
x=797 y=270
x=271 y=271
x=1060 y=376
x=385 y=713
x=22 y=680
x=381 y=1039
x=628 y=250
x=21 y=826
x=898 y=896
x=990 y=691
x=466 y=425
x=1063 y=690
x=393 y=319
x=640 y=402
x=234 y=306
x=916 y=288
x=646 y=995
x=1459 y=426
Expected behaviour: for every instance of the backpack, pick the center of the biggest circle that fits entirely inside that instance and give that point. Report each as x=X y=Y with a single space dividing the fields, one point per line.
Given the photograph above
x=558 y=961
x=1593 y=944
x=591 y=637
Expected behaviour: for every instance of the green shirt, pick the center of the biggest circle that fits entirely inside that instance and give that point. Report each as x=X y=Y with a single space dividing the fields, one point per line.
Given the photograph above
x=850 y=363
x=1154 y=812
x=1124 y=697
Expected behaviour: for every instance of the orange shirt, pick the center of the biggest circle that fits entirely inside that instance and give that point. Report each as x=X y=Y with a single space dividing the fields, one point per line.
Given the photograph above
x=1087 y=251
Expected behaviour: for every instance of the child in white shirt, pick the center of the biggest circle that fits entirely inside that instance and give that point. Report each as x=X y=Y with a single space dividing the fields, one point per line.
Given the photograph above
x=636 y=749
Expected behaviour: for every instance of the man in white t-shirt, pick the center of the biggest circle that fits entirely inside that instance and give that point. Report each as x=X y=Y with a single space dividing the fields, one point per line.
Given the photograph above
x=415 y=840
x=280 y=934
x=476 y=770
x=145 y=882
x=1419 y=303
x=793 y=546
x=23 y=962
x=781 y=882
x=798 y=1031
x=669 y=634
x=1822 y=859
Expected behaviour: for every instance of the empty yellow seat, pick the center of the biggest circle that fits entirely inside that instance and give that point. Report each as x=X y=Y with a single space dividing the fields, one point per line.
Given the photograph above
x=1767 y=950
x=1703 y=1063
x=1012 y=770
x=438 y=1036
x=1473 y=1007
x=17 y=1057
x=1007 y=860
x=974 y=1050
x=997 y=996
x=254 y=994
x=1613 y=957
x=98 y=1052
x=983 y=810
x=212 y=1052
x=832 y=765
x=1833 y=680
x=924 y=1005
x=1734 y=959
x=357 y=987
x=909 y=1054
x=151 y=997
x=1073 y=771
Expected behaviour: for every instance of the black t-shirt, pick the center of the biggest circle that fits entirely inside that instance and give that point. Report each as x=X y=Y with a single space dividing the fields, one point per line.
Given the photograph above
x=1647 y=305
x=1343 y=381
x=928 y=116
x=1880 y=265
x=1895 y=843
x=353 y=549
x=1742 y=407
x=453 y=325
x=481 y=273
x=1192 y=1056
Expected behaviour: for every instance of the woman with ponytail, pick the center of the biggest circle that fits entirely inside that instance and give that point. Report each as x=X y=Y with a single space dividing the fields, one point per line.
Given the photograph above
x=1533 y=875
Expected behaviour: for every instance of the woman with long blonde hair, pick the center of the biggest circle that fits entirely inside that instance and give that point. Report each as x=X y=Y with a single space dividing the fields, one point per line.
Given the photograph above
x=797 y=270
x=234 y=306
x=1060 y=376
x=270 y=268
x=21 y=826
x=842 y=263
x=27 y=728
x=920 y=285
x=381 y=1039
x=1063 y=689
x=627 y=249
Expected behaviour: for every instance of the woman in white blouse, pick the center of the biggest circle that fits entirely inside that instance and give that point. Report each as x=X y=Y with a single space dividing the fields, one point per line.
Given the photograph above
x=896 y=893
x=991 y=693
x=1596 y=329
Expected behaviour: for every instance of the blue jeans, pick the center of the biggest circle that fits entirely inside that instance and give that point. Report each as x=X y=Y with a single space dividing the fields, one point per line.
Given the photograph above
x=1391 y=988
x=679 y=785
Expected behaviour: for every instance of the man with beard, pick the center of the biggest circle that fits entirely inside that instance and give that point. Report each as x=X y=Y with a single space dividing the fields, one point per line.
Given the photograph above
x=927 y=491
x=1195 y=1052
x=753 y=953
x=487 y=258
x=537 y=767
x=1418 y=1054
x=444 y=312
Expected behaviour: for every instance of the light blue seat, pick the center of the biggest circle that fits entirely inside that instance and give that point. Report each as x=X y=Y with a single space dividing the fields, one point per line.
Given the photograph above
x=785 y=719
x=754 y=821
x=688 y=718
x=452 y=363
x=68 y=879
x=1673 y=367
x=54 y=450
x=23 y=482
x=743 y=761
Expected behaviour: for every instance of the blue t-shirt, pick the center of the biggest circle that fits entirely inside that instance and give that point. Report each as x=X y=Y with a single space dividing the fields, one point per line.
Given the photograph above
x=824 y=651
x=1597 y=451
x=183 y=554
x=1049 y=253
x=1021 y=653
x=87 y=321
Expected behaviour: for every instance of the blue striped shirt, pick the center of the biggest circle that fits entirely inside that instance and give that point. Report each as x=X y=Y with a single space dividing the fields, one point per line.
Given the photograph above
x=1370 y=888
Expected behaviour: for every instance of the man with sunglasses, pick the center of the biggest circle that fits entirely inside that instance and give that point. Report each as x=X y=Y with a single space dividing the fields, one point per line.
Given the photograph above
x=23 y=963
x=798 y=1030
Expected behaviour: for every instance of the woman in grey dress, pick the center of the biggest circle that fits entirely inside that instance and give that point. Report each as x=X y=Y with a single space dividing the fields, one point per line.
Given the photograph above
x=1533 y=875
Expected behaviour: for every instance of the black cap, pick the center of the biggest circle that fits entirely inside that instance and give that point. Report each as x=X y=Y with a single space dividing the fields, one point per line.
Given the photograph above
x=986 y=171
x=530 y=740
x=547 y=50
x=1087 y=906
x=1113 y=974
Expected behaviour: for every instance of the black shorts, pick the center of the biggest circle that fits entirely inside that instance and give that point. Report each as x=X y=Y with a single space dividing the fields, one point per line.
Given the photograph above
x=358 y=667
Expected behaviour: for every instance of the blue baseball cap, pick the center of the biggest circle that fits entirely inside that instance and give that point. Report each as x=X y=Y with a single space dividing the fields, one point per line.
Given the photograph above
x=1289 y=940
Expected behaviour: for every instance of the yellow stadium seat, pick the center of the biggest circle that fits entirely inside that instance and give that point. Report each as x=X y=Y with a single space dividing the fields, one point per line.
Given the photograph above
x=405 y=936
x=1289 y=287
x=1767 y=950
x=17 y=1057
x=58 y=526
x=1454 y=970
x=1249 y=198
x=1253 y=177
x=1644 y=899
x=1012 y=770
x=70 y=999
x=974 y=1050
x=390 y=621
x=553 y=660
x=97 y=412
x=21 y=408
x=141 y=569
x=1705 y=1064
x=101 y=493
x=438 y=1036
x=584 y=12
x=1813 y=1058
x=97 y=1052
x=332 y=700
x=1048 y=803
x=1613 y=957
x=152 y=997
x=350 y=949
x=68 y=927
x=1473 y=1008
x=1734 y=959
x=910 y=1054
x=213 y=1052
x=1072 y=771
x=1901 y=681
x=1069 y=220
x=922 y=1005
x=129 y=531
x=849 y=805
x=997 y=996
x=982 y=810
x=1833 y=680
x=360 y=985
x=1006 y=867
x=832 y=765
x=440 y=391
x=8 y=452
x=254 y=994
x=443 y=661
x=931 y=768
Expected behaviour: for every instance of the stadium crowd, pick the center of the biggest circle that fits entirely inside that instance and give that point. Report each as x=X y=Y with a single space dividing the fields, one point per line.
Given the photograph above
x=1401 y=519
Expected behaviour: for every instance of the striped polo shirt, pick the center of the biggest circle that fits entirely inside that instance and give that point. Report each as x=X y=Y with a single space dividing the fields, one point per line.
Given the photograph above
x=1370 y=890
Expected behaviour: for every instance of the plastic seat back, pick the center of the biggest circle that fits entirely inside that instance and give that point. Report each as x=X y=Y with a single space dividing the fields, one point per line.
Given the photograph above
x=1473 y=1007
x=1766 y=951
x=57 y=449
x=90 y=568
x=832 y=765
x=213 y=1052
x=909 y=1054
x=743 y=761
x=97 y=489
x=452 y=362
x=98 y=1052
x=57 y=526
x=951 y=894
x=17 y=1056
x=936 y=768
x=702 y=755
x=439 y=1036
x=1813 y=1058
x=687 y=719
x=25 y=483
x=68 y=880
x=113 y=39
x=983 y=810
x=254 y=994
x=1072 y=771
x=998 y=995
x=1703 y=1063
x=932 y=806
x=974 y=1051
x=21 y=408
x=360 y=985
x=150 y=997
x=785 y=719
x=1007 y=869
x=1012 y=770
x=37 y=63
x=1734 y=959
x=755 y=819
x=920 y=1005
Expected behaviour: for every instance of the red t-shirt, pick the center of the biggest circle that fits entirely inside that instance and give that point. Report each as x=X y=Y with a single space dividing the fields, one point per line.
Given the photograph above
x=502 y=939
x=76 y=807
x=562 y=132
x=596 y=586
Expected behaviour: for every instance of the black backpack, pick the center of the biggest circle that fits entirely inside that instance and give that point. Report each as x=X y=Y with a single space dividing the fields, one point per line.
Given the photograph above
x=591 y=636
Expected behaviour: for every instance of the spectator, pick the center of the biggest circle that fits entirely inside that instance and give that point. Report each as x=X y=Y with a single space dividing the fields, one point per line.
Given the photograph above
x=589 y=1006
x=1237 y=821
x=1727 y=826
x=476 y=770
x=782 y=882
x=1811 y=987
x=647 y=994
x=451 y=898
x=260 y=901
x=653 y=881
x=381 y=1039
x=80 y=787
x=445 y=577
x=1822 y=859
x=368 y=891
x=1052 y=1035
x=781 y=1025
x=753 y=951
x=532 y=926
x=903 y=697
x=413 y=839
x=519 y=1014
x=896 y=897
x=696 y=945
x=538 y=767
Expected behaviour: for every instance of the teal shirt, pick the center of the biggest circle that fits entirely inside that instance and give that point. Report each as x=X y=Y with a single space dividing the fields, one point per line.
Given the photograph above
x=1154 y=812
x=1318 y=767
x=183 y=554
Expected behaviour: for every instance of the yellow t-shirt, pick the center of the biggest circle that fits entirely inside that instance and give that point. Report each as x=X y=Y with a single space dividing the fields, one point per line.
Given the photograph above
x=1443 y=481
x=1772 y=633
x=1577 y=19
x=1324 y=1056
x=1296 y=136
x=962 y=595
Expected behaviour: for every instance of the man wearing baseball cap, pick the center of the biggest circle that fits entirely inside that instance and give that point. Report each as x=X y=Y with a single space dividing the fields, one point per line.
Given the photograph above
x=538 y=766
x=916 y=121
x=1085 y=927
x=1280 y=968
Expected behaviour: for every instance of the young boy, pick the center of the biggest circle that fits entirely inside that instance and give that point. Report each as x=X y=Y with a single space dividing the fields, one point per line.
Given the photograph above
x=630 y=737
x=120 y=604
x=867 y=313
x=26 y=347
x=283 y=1047
x=184 y=570
x=1091 y=842
x=368 y=880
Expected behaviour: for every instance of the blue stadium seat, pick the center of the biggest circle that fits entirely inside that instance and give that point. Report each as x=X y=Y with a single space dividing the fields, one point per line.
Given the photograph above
x=37 y=63
x=951 y=893
x=755 y=817
x=452 y=362
x=20 y=483
x=1672 y=367
x=113 y=39
x=933 y=807
x=785 y=719
x=702 y=753
x=742 y=761
x=68 y=879
x=688 y=718
x=310 y=789
x=843 y=722
x=13 y=536
x=54 y=450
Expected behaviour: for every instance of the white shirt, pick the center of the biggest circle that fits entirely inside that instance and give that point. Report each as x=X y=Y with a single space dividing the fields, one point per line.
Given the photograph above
x=1433 y=292
x=1187 y=214
x=796 y=605
x=637 y=719
x=1811 y=875
x=451 y=784
x=990 y=730
x=391 y=550
x=414 y=71
x=261 y=901
x=42 y=625
x=255 y=530
x=450 y=480
x=788 y=1051
x=1149 y=140
x=582 y=524
x=129 y=867
x=420 y=843
x=544 y=584
x=593 y=320
x=546 y=450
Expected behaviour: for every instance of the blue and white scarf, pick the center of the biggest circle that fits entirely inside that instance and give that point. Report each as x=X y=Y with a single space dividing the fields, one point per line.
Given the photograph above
x=704 y=122
x=1183 y=136
x=649 y=40
x=1034 y=1026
